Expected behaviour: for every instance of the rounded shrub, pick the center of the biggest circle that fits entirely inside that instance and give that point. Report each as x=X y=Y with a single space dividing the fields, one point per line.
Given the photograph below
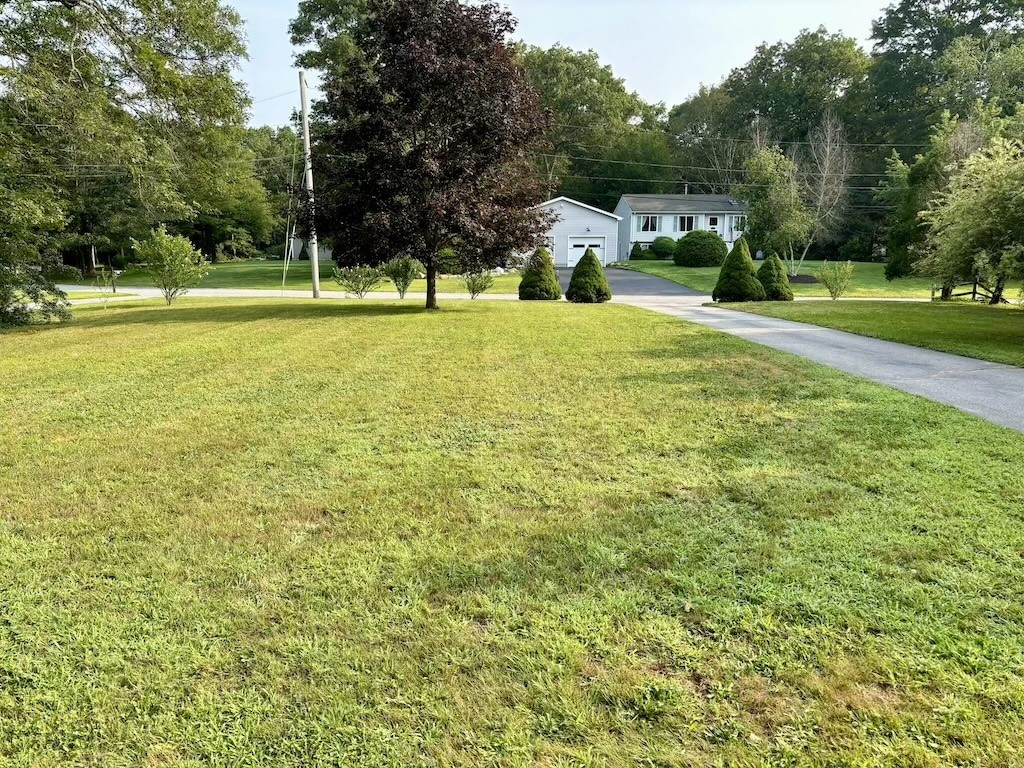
x=701 y=249
x=737 y=281
x=663 y=248
x=589 y=284
x=772 y=275
x=540 y=283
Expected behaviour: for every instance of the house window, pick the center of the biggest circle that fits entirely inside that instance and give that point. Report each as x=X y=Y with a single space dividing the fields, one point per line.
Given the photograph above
x=686 y=224
x=739 y=224
x=649 y=223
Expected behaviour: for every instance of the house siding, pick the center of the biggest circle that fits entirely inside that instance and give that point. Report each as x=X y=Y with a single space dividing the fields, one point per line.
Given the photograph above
x=630 y=234
x=577 y=223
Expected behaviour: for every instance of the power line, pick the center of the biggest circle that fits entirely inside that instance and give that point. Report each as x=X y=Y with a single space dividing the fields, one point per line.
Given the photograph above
x=668 y=133
x=683 y=167
x=272 y=98
x=691 y=183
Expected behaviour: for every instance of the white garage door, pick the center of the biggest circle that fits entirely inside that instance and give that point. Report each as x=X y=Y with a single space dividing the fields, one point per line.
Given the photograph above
x=578 y=249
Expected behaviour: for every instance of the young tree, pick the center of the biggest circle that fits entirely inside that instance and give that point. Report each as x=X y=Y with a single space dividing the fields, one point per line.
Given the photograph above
x=402 y=272
x=777 y=218
x=359 y=280
x=836 y=277
x=824 y=178
x=174 y=264
x=478 y=282
x=428 y=141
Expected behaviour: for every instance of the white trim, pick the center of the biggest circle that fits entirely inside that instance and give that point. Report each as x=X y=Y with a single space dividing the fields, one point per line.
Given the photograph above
x=578 y=204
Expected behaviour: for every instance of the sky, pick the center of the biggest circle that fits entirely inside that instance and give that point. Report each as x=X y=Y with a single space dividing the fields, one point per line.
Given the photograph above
x=664 y=49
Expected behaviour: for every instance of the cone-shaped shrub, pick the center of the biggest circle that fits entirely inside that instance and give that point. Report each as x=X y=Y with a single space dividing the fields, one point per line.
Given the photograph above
x=772 y=275
x=737 y=281
x=540 y=283
x=588 y=284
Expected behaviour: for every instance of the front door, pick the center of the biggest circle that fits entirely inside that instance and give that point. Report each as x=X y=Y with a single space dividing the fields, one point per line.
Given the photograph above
x=578 y=249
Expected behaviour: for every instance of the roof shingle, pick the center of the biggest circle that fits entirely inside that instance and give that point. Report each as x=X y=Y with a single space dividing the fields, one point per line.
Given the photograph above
x=684 y=204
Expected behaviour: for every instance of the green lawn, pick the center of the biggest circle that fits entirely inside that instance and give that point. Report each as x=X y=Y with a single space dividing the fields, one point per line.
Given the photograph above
x=79 y=295
x=984 y=332
x=868 y=280
x=267 y=275
x=357 y=534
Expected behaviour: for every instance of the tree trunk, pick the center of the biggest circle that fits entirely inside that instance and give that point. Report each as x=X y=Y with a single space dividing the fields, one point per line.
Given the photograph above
x=91 y=272
x=997 y=292
x=431 y=284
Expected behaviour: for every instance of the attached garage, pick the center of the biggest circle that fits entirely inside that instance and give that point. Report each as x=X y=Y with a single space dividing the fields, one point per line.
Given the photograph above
x=579 y=227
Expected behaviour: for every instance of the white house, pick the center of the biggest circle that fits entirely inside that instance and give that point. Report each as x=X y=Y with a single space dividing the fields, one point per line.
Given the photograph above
x=645 y=218
x=578 y=228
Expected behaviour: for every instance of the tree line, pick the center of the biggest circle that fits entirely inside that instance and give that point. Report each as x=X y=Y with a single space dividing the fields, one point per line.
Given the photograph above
x=123 y=115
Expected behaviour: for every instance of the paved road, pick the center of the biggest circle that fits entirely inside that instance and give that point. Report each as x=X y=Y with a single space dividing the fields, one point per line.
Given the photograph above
x=991 y=391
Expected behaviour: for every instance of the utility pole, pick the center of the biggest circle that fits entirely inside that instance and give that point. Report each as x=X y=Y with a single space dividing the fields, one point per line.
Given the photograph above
x=312 y=245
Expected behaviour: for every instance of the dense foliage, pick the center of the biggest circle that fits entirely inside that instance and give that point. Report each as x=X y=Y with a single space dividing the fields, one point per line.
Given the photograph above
x=663 y=247
x=427 y=141
x=117 y=116
x=701 y=249
x=639 y=253
x=737 y=281
x=589 y=285
x=540 y=281
x=772 y=276
x=977 y=227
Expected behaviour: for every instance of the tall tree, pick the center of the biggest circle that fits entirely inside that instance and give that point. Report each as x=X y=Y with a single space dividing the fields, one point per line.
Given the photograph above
x=111 y=101
x=977 y=226
x=912 y=40
x=429 y=141
x=824 y=177
x=792 y=86
x=323 y=30
x=594 y=117
x=710 y=141
x=777 y=219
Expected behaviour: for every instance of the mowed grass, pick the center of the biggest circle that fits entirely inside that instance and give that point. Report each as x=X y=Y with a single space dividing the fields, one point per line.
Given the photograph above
x=868 y=280
x=357 y=534
x=267 y=275
x=79 y=295
x=973 y=330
